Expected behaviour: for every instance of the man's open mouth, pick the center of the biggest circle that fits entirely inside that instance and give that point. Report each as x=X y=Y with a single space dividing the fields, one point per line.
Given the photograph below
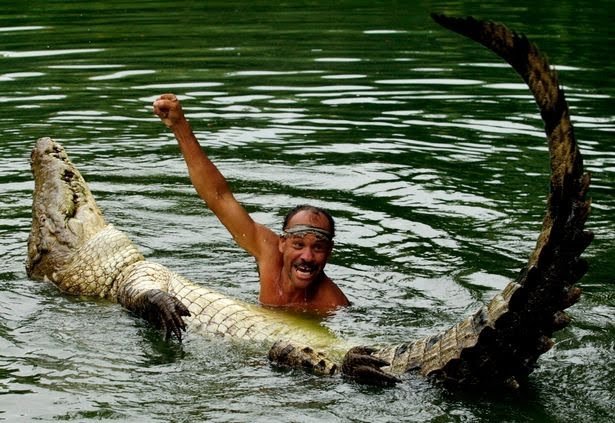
x=306 y=269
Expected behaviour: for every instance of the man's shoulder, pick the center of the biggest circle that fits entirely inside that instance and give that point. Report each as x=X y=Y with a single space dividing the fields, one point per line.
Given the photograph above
x=267 y=244
x=331 y=293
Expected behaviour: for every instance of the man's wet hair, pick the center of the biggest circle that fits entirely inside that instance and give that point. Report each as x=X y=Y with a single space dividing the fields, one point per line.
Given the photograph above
x=312 y=209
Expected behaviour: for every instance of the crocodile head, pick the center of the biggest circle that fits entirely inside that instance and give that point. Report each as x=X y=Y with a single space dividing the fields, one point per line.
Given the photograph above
x=64 y=213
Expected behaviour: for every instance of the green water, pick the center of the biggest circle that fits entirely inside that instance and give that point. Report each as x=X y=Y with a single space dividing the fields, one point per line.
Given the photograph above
x=426 y=148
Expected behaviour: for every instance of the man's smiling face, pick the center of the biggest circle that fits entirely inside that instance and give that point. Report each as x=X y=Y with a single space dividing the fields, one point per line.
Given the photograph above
x=305 y=248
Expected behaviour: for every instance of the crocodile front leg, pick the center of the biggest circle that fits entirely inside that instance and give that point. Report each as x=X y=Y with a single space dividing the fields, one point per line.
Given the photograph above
x=143 y=288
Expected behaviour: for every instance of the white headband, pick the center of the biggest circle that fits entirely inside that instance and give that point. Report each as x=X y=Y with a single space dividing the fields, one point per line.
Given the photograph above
x=308 y=229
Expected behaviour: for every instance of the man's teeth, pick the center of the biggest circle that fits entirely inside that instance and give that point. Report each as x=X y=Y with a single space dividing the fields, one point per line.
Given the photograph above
x=305 y=268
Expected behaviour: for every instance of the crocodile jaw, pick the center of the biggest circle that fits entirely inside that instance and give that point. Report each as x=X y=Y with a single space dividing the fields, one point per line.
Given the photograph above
x=64 y=213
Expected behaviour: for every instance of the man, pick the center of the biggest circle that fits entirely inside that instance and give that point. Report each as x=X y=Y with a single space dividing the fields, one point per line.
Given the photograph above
x=291 y=265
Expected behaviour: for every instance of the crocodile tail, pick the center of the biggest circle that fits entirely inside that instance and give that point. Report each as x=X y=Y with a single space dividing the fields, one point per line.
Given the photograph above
x=500 y=344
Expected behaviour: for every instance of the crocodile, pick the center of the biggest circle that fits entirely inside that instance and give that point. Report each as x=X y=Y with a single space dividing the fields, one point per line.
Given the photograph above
x=72 y=245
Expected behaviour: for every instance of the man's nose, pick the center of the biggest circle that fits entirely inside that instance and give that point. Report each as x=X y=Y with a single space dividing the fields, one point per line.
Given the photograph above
x=307 y=254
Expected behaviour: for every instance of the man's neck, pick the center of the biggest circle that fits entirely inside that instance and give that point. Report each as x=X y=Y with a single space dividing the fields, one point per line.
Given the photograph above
x=293 y=295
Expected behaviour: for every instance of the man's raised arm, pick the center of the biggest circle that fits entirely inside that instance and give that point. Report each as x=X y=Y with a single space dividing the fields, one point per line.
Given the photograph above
x=210 y=184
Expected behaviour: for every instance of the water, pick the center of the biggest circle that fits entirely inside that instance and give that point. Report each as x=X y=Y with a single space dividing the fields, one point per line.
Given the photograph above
x=426 y=148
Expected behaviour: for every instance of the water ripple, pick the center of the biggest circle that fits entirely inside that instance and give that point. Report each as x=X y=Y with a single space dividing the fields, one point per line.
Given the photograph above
x=21 y=28
x=303 y=89
x=196 y=84
x=122 y=74
x=47 y=53
x=18 y=75
x=429 y=81
x=489 y=126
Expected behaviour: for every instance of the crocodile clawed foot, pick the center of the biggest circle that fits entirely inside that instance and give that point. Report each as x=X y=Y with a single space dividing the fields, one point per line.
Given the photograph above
x=165 y=311
x=298 y=356
x=362 y=367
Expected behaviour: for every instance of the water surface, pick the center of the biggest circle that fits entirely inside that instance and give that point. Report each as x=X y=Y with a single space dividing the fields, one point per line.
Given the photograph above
x=427 y=149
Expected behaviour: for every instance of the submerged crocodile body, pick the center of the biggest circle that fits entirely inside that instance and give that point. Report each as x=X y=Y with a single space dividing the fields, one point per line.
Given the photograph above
x=72 y=245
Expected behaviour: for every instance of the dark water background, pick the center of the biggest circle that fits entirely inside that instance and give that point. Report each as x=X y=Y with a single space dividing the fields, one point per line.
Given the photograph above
x=427 y=149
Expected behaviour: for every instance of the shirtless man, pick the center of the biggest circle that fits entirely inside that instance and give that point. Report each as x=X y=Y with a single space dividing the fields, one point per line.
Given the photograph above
x=291 y=265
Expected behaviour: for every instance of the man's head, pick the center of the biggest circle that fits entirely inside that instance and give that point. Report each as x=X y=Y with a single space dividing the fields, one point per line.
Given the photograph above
x=311 y=209
x=306 y=244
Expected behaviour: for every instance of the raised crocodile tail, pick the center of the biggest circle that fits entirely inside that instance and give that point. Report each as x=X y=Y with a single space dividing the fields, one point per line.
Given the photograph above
x=64 y=213
x=566 y=161
x=500 y=344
